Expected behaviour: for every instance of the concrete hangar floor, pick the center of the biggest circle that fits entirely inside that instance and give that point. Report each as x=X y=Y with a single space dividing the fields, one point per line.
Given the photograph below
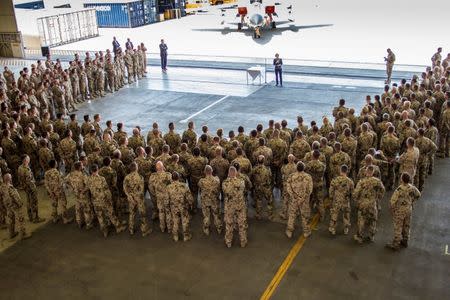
x=63 y=262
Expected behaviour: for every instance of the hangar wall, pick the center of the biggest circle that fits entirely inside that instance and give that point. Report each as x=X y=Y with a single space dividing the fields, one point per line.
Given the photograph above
x=11 y=44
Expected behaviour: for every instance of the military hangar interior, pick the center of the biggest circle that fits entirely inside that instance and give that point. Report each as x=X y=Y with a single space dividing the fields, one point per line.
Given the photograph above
x=129 y=110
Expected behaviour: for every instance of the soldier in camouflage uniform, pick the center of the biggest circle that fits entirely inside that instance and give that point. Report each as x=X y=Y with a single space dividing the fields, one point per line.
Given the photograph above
x=210 y=189
x=286 y=171
x=101 y=198
x=426 y=149
x=180 y=202
x=366 y=195
x=341 y=189
x=28 y=184
x=173 y=139
x=444 y=130
x=235 y=210
x=409 y=159
x=197 y=166
x=299 y=187
x=77 y=180
x=189 y=136
x=390 y=146
x=220 y=165
x=133 y=186
x=111 y=75
x=279 y=151
x=158 y=183
x=13 y=204
x=338 y=159
x=55 y=188
x=136 y=140
x=68 y=151
x=401 y=203
x=261 y=178
x=316 y=169
x=432 y=133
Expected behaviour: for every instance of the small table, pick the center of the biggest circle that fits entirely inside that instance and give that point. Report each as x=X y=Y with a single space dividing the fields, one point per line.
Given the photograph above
x=256 y=72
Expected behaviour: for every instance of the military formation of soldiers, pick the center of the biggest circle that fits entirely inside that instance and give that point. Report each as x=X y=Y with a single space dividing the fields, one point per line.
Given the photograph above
x=390 y=145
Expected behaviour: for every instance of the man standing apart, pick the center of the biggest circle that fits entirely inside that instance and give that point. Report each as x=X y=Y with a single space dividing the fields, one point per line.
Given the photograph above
x=390 y=60
x=278 y=63
x=163 y=53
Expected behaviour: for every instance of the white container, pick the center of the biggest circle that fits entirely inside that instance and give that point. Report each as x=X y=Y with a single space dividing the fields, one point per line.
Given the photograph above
x=68 y=27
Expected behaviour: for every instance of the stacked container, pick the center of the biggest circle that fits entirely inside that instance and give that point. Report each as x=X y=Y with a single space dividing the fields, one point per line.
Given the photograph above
x=123 y=13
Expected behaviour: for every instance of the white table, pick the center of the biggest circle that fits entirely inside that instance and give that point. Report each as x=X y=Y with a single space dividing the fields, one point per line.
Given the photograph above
x=255 y=72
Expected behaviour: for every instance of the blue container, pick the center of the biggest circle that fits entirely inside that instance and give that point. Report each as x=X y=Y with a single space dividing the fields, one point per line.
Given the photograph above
x=172 y=4
x=31 y=5
x=150 y=11
x=124 y=15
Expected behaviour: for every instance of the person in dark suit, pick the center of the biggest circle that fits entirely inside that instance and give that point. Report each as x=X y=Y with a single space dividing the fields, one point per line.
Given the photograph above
x=278 y=63
x=163 y=53
x=116 y=46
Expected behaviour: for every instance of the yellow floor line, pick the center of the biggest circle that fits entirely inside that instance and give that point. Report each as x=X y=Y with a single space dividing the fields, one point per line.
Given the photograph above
x=287 y=263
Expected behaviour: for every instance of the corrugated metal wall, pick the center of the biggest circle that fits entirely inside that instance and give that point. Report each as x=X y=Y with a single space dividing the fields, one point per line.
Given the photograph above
x=67 y=28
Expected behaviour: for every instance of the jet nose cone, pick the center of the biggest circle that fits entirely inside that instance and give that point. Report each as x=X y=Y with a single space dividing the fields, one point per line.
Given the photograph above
x=257 y=20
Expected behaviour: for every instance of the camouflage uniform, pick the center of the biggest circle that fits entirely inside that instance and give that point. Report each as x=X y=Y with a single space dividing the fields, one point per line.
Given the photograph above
x=316 y=169
x=299 y=187
x=190 y=137
x=426 y=149
x=209 y=194
x=173 y=139
x=408 y=162
x=77 y=180
x=286 y=171
x=390 y=146
x=279 y=151
x=158 y=184
x=180 y=201
x=366 y=195
x=336 y=161
x=432 y=133
x=220 y=166
x=133 y=186
x=235 y=209
x=444 y=139
x=101 y=199
x=68 y=152
x=13 y=204
x=401 y=206
x=119 y=203
x=261 y=179
x=55 y=189
x=341 y=189
x=28 y=184
x=196 y=168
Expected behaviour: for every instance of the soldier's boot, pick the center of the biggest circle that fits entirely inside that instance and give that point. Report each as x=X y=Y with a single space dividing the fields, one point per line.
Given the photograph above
x=89 y=226
x=38 y=220
x=307 y=234
x=393 y=246
x=228 y=244
x=187 y=237
x=283 y=216
x=206 y=231
x=357 y=238
x=288 y=233
x=346 y=230
x=105 y=232
x=243 y=244
x=12 y=234
x=24 y=235
x=219 y=230
x=175 y=237
x=332 y=230
x=404 y=243
x=370 y=239
x=120 y=228
x=67 y=220
x=131 y=230
x=145 y=230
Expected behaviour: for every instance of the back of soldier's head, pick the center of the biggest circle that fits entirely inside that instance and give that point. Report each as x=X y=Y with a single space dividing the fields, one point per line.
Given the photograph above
x=78 y=166
x=316 y=154
x=344 y=169
x=406 y=178
x=300 y=166
x=261 y=159
x=94 y=168
x=239 y=151
x=107 y=161
x=196 y=151
x=261 y=141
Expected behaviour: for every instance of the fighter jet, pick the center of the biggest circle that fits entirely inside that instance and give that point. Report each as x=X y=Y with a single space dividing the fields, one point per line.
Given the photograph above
x=257 y=15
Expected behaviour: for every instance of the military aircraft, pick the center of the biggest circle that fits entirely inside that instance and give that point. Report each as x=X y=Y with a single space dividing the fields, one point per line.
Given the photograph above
x=257 y=15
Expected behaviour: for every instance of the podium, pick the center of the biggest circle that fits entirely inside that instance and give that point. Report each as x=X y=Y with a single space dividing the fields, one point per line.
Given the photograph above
x=254 y=73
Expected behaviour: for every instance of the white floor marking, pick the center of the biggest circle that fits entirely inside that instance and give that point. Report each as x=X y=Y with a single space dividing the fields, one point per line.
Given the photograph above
x=202 y=110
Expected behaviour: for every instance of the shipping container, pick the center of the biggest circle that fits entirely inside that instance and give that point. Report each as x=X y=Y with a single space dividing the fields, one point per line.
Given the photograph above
x=69 y=27
x=172 y=4
x=123 y=13
x=29 y=4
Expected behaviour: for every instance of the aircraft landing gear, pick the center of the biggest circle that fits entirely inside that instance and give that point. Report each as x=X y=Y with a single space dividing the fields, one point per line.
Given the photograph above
x=239 y=26
x=274 y=25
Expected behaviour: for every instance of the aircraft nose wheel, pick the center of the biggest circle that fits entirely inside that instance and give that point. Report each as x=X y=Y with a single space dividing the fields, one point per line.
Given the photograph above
x=240 y=26
x=274 y=25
